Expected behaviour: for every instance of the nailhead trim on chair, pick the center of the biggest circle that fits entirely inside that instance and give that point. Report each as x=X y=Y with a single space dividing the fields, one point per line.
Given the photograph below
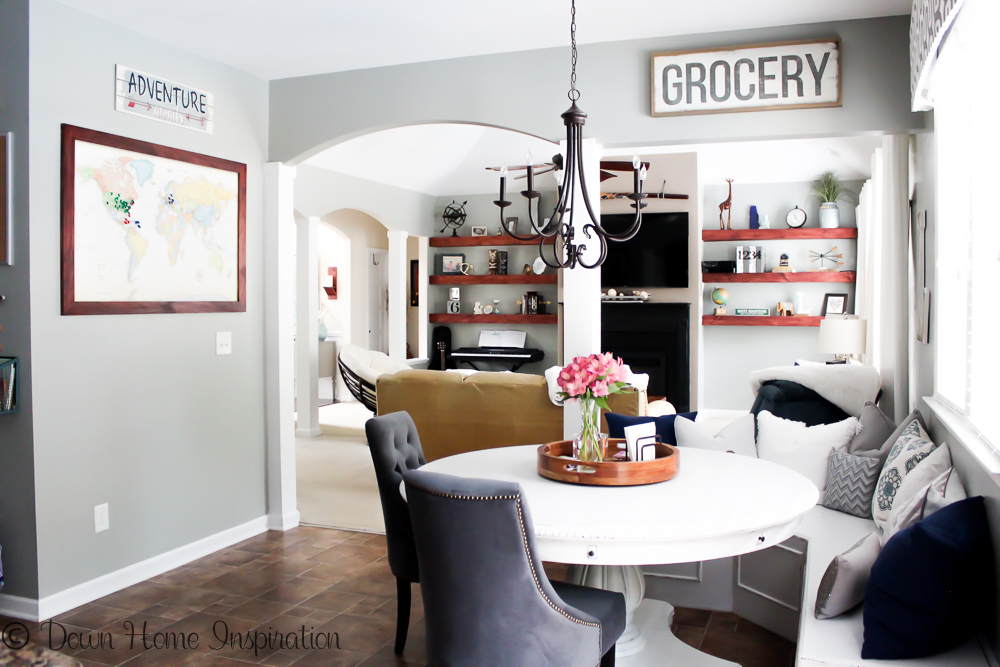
x=527 y=553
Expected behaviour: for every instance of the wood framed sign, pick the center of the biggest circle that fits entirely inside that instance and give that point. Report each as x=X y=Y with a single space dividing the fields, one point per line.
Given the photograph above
x=786 y=75
x=150 y=229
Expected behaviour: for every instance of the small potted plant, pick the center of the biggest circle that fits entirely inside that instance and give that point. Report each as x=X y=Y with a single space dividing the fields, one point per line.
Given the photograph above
x=829 y=189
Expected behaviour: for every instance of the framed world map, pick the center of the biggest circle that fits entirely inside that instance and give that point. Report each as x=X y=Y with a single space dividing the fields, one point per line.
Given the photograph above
x=150 y=229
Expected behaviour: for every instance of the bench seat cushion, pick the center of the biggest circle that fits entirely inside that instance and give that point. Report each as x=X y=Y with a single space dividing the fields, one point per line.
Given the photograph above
x=836 y=642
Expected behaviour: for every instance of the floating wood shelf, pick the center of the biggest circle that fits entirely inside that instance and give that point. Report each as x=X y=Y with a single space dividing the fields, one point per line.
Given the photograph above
x=754 y=321
x=461 y=318
x=510 y=279
x=476 y=241
x=800 y=277
x=776 y=234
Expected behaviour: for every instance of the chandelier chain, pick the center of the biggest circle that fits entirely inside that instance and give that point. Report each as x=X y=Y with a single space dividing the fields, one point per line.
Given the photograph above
x=573 y=93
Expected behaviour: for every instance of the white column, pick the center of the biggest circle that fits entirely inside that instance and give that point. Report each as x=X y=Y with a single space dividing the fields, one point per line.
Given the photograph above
x=307 y=337
x=581 y=288
x=423 y=254
x=397 y=295
x=279 y=291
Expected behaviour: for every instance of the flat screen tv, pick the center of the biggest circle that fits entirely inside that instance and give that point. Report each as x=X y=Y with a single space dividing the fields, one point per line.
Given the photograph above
x=655 y=257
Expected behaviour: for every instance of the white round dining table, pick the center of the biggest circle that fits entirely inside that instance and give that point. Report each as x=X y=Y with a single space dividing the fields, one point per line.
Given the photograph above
x=718 y=505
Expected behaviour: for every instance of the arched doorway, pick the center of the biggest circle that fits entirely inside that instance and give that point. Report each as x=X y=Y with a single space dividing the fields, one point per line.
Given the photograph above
x=397 y=180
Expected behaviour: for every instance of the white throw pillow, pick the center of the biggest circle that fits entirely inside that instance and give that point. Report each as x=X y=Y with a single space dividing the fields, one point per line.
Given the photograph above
x=804 y=449
x=736 y=438
x=940 y=492
x=843 y=584
x=912 y=447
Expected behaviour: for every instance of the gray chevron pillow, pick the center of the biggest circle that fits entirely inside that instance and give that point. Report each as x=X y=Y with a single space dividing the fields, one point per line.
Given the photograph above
x=850 y=483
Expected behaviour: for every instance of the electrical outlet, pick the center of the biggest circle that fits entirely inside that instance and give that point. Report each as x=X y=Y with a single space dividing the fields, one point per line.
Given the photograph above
x=101 y=520
x=223 y=342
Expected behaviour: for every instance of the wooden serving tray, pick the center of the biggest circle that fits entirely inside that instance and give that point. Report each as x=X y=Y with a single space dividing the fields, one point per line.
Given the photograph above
x=608 y=472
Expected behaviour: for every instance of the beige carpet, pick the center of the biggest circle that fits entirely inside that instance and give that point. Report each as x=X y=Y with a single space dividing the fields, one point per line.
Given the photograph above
x=336 y=480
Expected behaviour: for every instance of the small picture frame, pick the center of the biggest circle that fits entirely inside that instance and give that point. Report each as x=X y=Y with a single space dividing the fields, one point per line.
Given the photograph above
x=834 y=304
x=511 y=224
x=450 y=265
x=479 y=230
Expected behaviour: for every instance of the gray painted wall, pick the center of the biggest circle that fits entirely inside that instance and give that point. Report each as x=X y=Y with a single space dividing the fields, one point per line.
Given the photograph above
x=527 y=90
x=321 y=191
x=136 y=410
x=731 y=353
x=17 y=488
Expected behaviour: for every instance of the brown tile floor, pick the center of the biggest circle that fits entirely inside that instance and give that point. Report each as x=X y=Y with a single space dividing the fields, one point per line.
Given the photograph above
x=328 y=581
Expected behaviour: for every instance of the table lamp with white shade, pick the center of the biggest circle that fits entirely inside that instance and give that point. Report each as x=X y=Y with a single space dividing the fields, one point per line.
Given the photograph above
x=843 y=337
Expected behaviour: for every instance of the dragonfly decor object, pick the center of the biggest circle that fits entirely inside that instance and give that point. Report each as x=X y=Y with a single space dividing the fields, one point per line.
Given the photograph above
x=828 y=256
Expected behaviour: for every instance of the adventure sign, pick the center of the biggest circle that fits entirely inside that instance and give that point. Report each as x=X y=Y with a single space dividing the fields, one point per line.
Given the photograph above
x=150 y=96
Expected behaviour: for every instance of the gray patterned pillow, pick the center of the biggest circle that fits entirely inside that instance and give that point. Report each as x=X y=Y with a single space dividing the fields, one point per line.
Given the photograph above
x=912 y=447
x=850 y=483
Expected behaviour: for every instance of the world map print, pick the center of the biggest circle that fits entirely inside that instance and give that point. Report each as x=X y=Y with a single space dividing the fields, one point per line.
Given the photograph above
x=153 y=229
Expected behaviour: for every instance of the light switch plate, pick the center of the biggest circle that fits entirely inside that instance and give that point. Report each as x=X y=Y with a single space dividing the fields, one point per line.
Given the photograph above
x=102 y=521
x=223 y=342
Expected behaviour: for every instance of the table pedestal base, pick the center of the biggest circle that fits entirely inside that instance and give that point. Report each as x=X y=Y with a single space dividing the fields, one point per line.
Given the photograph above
x=662 y=648
x=647 y=640
x=625 y=579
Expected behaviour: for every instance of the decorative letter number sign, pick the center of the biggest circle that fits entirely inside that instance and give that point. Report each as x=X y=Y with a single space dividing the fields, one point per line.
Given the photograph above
x=790 y=75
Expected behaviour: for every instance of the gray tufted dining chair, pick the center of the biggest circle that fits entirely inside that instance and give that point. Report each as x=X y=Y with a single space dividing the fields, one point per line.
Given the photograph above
x=395 y=449
x=487 y=601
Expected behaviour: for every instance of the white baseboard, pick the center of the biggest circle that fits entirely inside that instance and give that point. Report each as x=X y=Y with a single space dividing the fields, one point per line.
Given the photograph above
x=71 y=598
x=18 y=607
x=283 y=521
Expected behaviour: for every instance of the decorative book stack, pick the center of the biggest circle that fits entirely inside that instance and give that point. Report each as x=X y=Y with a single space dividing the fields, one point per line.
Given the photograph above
x=750 y=259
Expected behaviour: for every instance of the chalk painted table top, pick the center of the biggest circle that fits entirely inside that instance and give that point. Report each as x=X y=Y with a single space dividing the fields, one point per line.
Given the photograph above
x=719 y=505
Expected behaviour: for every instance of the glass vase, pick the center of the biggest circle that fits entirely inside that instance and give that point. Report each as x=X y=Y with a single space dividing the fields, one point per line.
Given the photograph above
x=589 y=445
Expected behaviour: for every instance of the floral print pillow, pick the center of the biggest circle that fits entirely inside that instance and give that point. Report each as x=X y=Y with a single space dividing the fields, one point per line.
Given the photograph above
x=911 y=448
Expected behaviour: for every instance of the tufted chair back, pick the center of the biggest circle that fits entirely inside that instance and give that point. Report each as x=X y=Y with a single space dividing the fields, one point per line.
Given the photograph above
x=487 y=600
x=395 y=449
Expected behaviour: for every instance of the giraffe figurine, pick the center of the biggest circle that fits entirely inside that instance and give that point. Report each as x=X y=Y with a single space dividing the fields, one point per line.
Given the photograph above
x=727 y=206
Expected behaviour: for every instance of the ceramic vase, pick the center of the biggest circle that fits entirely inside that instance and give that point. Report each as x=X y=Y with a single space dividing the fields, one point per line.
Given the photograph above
x=589 y=445
x=829 y=215
x=322 y=330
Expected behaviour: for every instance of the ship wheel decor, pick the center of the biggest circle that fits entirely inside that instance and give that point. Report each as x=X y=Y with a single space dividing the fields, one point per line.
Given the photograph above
x=558 y=231
x=824 y=257
x=453 y=217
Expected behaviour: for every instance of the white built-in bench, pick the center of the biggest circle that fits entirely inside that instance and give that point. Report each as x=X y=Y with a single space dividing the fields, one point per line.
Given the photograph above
x=836 y=642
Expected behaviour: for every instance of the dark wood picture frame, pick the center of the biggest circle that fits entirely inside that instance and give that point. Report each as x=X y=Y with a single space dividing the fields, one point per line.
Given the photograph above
x=6 y=212
x=440 y=263
x=70 y=306
x=414 y=283
x=826 y=301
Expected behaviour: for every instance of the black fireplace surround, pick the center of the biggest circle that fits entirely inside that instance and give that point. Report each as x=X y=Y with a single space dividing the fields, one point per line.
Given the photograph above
x=652 y=338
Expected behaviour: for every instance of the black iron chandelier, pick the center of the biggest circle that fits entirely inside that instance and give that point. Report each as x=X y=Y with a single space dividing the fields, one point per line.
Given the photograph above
x=558 y=230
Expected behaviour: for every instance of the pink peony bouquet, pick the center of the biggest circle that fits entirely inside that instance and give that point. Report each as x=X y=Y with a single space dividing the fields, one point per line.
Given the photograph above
x=593 y=377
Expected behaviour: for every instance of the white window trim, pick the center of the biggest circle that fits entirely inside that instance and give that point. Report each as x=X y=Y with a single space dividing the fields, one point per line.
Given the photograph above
x=968 y=435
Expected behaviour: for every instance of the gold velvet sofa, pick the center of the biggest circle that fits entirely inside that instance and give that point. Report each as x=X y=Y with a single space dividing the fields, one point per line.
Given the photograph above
x=455 y=413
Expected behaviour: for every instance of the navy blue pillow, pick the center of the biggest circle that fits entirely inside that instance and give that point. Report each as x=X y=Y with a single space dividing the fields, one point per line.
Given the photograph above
x=931 y=585
x=664 y=425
